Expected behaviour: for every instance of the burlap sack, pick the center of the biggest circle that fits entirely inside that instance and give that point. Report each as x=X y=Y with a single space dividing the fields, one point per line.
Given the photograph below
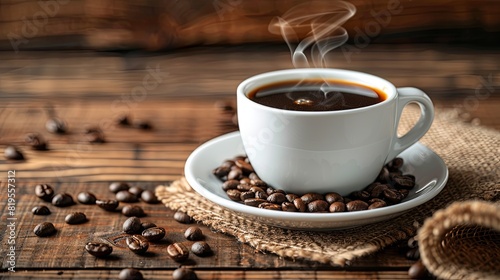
x=470 y=152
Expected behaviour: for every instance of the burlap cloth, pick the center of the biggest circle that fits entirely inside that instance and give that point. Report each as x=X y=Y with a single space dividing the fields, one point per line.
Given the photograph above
x=471 y=153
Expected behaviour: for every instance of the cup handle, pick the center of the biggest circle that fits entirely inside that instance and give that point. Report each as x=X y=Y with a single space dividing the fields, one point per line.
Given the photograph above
x=412 y=95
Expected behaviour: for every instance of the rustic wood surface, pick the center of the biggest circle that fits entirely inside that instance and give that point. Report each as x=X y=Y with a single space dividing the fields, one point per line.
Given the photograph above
x=184 y=106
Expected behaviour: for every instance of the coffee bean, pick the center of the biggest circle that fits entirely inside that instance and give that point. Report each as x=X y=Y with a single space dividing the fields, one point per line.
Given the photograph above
x=234 y=194
x=271 y=190
x=13 y=153
x=270 y=206
x=126 y=196
x=384 y=175
x=256 y=189
x=62 y=200
x=99 y=250
x=118 y=186
x=44 y=191
x=132 y=225
x=356 y=205
x=261 y=195
x=299 y=204
x=108 y=205
x=418 y=271
x=75 y=218
x=146 y=225
x=36 y=142
x=360 y=195
x=247 y=195
x=45 y=229
x=277 y=198
x=193 y=234
x=371 y=186
x=333 y=197
x=377 y=204
x=137 y=191
x=130 y=274
x=184 y=274
x=308 y=197
x=230 y=185
x=235 y=174
x=288 y=207
x=392 y=196
x=178 y=252
x=133 y=210
x=403 y=182
x=94 y=135
x=258 y=182
x=153 y=234
x=378 y=190
x=290 y=197
x=317 y=206
x=86 y=198
x=244 y=187
x=137 y=244
x=41 y=210
x=254 y=176
x=55 y=125
x=412 y=242
x=201 y=248
x=221 y=171
x=254 y=201
x=395 y=164
x=413 y=254
x=149 y=197
x=404 y=193
x=182 y=217
x=337 y=206
x=244 y=166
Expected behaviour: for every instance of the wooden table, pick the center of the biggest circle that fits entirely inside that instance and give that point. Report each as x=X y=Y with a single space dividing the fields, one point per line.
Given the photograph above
x=182 y=94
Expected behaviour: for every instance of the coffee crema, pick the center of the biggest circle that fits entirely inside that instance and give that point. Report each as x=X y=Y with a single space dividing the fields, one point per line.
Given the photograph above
x=317 y=95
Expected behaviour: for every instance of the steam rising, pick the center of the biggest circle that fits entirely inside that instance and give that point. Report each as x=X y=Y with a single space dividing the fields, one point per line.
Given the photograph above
x=323 y=30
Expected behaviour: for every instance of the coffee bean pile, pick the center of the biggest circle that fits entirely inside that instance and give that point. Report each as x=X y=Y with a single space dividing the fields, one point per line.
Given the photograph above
x=241 y=184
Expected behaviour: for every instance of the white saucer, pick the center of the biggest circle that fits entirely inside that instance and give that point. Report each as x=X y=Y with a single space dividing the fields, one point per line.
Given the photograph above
x=429 y=169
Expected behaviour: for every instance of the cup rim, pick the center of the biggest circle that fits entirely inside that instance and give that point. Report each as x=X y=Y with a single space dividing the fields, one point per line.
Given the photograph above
x=279 y=75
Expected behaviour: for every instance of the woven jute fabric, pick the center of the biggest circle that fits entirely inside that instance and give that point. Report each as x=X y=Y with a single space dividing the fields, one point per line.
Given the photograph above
x=470 y=152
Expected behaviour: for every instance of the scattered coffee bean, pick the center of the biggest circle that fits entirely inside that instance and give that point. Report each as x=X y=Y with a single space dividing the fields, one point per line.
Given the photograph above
x=270 y=206
x=290 y=197
x=261 y=195
x=403 y=182
x=391 y=196
x=55 y=125
x=360 y=195
x=378 y=190
x=118 y=186
x=193 y=234
x=246 y=195
x=235 y=174
x=45 y=229
x=288 y=207
x=309 y=197
x=182 y=217
x=418 y=271
x=75 y=218
x=333 y=197
x=133 y=210
x=395 y=164
x=201 y=248
x=13 y=153
x=254 y=176
x=99 y=250
x=222 y=171
x=154 y=234
x=178 y=252
x=245 y=166
x=244 y=187
x=413 y=254
x=44 y=191
x=149 y=197
x=383 y=176
x=377 y=204
x=137 y=191
x=137 y=244
x=277 y=198
x=130 y=274
x=94 y=135
x=108 y=205
x=356 y=205
x=62 y=200
x=254 y=201
x=132 y=225
x=146 y=225
x=126 y=196
x=234 y=195
x=299 y=204
x=317 y=206
x=337 y=206
x=41 y=210
x=230 y=185
x=36 y=142
x=184 y=273
x=86 y=198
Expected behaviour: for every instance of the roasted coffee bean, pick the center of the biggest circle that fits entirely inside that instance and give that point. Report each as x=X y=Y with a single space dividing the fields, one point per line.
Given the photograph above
x=234 y=194
x=243 y=187
x=308 y=197
x=235 y=174
x=371 y=186
x=384 y=175
x=395 y=164
x=45 y=229
x=299 y=204
x=392 y=196
x=333 y=197
x=412 y=242
x=413 y=254
x=153 y=234
x=44 y=191
x=99 y=250
x=126 y=196
x=146 y=225
x=360 y=195
x=276 y=198
x=261 y=195
x=246 y=195
x=256 y=189
x=245 y=180
x=254 y=176
x=403 y=182
x=36 y=142
x=143 y=124
x=356 y=205
x=55 y=125
x=13 y=153
x=41 y=210
x=290 y=197
x=62 y=200
x=418 y=271
x=377 y=204
x=130 y=274
x=132 y=225
x=86 y=198
x=254 y=201
x=337 y=206
x=404 y=193
x=137 y=244
x=270 y=206
x=244 y=166
x=258 y=183
x=133 y=210
x=108 y=205
x=228 y=163
x=94 y=135
x=271 y=190
x=118 y=186
x=221 y=171
x=149 y=197
x=184 y=273
x=317 y=206
x=193 y=234
x=182 y=217
x=75 y=218
x=178 y=252
x=378 y=190
x=288 y=207
x=201 y=248
x=137 y=191
x=230 y=185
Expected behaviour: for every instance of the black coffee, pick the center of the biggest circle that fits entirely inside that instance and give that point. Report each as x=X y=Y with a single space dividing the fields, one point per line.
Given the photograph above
x=317 y=95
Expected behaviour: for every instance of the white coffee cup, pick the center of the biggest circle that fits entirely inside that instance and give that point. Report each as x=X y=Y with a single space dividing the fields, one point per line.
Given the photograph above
x=326 y=151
